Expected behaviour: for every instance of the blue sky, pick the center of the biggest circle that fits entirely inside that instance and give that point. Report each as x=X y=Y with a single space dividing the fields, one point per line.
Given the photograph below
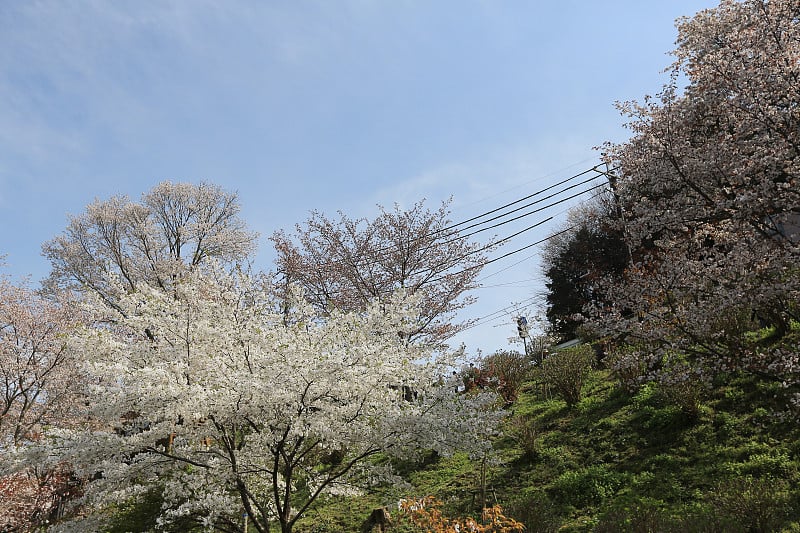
x=326 y=105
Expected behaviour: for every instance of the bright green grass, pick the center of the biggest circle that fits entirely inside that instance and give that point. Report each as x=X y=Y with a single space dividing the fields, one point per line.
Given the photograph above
x=638 y=463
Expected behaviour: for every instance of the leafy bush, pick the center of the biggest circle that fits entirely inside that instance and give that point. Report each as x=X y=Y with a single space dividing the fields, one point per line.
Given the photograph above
x=536 y=511
x=724 y=424
x=425 y=514
x=770 y=463
x=566 y=370
x=681 y=385
x=640 y=515
x=661 y=418
x=646 y=396
x=627 y=367
x=590 y=403
x=507 y=371
x=587 y=486
x=751 y=504
x=665 y=484
x=557 y=457
x=525 y=432
x=659 y=409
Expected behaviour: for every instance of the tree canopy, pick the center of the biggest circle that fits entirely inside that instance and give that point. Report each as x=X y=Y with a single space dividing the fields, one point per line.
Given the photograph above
x=709 y=185
x=42 y=386
x=576 y=260
x=232 y=406
x=175 y=227
x=41 y=381
x=346 y=263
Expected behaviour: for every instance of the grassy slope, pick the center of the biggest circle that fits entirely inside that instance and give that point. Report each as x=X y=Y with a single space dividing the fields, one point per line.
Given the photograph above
x=620 y=462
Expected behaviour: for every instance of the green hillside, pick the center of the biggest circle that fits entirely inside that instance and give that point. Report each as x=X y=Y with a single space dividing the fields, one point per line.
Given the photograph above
x=620 y=461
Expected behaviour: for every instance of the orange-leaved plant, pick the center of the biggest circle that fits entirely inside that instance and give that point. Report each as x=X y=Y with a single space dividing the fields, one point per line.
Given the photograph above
x=425 y=514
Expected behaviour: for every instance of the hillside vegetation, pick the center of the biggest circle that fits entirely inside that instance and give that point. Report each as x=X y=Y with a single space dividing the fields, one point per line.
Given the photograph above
x=157 y=383
x=618 y=460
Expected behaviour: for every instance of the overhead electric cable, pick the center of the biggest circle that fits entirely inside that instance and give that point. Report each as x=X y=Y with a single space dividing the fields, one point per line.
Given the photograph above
x=550 y=187
x=376 y=254
x=481 y=265
x=433 y=270
x=451 y=227
x=532 y=203
x=537 y=193
x=508 y=284
x=505 y=311
x=538 y=179
x=531 y=256
x=438 y=268
x=537 y=210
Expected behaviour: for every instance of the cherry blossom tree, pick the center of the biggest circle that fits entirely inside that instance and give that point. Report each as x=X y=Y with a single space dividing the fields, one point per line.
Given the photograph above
x=35 y=496
x=236 y=404
x=709 y=190
x=41 y=379
x=344 y=264
x=175 y=227
x=41 y=387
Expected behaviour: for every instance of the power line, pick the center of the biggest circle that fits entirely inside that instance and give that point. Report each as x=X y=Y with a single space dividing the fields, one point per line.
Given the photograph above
x=494 y=244
x=500 y=314
x=529 y=204
x=450 y=261
x=491 y=317
x=438 y=268
x=538 y=210
x=537 y=193
x=482 y=249
x=385 y=250
x=506 y=310
x=508 y=284
x=531 y=256
x=540 y=178
x=481 y=265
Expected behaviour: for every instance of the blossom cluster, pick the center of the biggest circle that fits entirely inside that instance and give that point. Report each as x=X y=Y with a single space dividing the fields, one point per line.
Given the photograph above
x=223 y=396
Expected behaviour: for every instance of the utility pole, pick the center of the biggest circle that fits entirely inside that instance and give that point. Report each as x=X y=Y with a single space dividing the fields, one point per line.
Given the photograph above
x=612 y=183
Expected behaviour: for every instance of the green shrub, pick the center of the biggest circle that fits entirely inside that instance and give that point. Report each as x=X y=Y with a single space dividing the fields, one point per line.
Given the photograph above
x=526 y=433
x=638 y=515
x=659 y=413
x=665 y=485
x=686 y=395
x=662 y=418
x=725 y=424
x=557 y=457
x=770 y=463
x=538 y=512
x=586 y=405
x=587 y=486
x=680 y=385
x=627 y=367
x=506 y=372
x=698 y=517
x=751 y=504
x=566 y=371
x=760 y=416
x=646 y=396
